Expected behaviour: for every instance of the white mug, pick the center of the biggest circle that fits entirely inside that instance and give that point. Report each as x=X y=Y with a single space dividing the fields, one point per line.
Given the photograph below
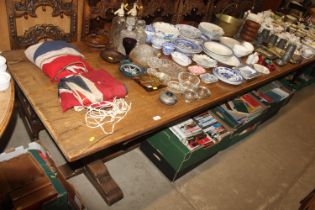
x=2 y=60
x=3 y=68
x=4 y=81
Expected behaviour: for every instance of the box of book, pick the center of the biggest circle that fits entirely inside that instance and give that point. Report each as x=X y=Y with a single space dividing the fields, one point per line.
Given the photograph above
x=180 y=148
x=300 y=79
x=275 y=95
x=239 y=136
x=241 y=112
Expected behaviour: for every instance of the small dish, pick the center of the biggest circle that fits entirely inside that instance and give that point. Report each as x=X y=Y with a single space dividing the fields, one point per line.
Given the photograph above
x=174 y=87
x=181 y=58
x=111 y=56
x=208 y=78
x=188 y=80
x=248 y=72
x=196 y=70
x=261 y=69
x=204 y=61
x=203 y=92
x=131 y=70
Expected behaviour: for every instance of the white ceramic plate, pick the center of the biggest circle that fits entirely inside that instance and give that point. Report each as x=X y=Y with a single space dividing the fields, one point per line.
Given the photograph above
x=204 y=61
x=217 y=48
x=228 y=41
x=227 y=75
x=227 y=60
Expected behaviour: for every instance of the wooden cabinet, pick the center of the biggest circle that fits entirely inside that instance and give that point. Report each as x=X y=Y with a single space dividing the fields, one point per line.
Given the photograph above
x=159 y=10
x=193 y=12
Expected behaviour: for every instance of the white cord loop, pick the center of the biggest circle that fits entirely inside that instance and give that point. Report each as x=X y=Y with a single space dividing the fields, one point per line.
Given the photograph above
x=106 y=112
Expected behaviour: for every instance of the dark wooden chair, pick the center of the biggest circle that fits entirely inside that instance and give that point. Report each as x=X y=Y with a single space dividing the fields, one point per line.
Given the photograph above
x=25 y=10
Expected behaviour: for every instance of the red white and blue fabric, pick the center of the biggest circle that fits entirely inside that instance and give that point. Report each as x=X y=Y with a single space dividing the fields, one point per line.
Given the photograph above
x=78 y=83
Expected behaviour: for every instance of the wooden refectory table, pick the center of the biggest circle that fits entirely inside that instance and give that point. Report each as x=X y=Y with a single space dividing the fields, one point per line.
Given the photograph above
x=83 y=146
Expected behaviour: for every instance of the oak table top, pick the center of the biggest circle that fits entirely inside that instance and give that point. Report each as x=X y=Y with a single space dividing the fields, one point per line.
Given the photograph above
x=77 y=141
x=6 y=106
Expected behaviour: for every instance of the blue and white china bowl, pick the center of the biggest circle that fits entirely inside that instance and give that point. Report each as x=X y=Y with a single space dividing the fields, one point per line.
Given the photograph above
x=168 y=48
x=227 y=75
x=186 y=46
x=157 y=42
x=181 y=58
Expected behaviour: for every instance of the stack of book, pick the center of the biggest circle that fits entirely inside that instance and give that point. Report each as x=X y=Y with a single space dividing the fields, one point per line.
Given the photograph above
x=201 y=131
x=240 y=110
x=272 y=93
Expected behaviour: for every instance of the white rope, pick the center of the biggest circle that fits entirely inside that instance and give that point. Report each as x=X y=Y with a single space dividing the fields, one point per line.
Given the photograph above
x=100 y=114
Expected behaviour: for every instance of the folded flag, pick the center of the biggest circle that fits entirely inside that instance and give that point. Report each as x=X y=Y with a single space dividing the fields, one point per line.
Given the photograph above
x=89 y=88
x=79 y=84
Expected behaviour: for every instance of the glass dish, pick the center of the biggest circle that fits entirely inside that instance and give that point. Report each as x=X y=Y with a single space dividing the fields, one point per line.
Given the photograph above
x=174 y=87
x=188 y=80
x=203 y=92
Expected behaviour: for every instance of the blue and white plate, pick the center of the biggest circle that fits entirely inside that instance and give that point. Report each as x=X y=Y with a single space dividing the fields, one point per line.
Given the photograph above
x=227 y=75
x=187 y=46
x=188 y=31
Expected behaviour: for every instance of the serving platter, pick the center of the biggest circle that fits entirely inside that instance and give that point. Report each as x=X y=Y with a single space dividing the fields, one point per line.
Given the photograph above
x=228 y=75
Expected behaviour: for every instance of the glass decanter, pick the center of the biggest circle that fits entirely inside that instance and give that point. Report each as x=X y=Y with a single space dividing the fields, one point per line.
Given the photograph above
x=118 y=24
x=140 y=32
x=127 y=33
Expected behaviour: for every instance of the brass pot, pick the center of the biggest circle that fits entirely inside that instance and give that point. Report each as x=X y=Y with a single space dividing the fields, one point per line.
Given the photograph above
x=229 y=24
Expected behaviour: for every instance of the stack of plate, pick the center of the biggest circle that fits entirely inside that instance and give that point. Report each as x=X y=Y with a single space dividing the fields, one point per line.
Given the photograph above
x=213 y=31
x=221 y=53
x=168 y=30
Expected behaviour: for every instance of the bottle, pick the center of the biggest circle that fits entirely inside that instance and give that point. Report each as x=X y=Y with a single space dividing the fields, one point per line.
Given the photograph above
x=118 y=24
x=128 y=32
x=133 y=12
x=140 y=32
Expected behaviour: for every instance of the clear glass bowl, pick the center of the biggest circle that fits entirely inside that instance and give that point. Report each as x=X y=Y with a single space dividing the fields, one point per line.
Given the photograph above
x=188 y=80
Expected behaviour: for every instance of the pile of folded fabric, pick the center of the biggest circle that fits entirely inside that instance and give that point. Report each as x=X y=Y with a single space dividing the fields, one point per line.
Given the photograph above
x=78 y=83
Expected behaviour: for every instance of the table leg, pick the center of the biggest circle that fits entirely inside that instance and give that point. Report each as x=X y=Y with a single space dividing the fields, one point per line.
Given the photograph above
x=99 y=176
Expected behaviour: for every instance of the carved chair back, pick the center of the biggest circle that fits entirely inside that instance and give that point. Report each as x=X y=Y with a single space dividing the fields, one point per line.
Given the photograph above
x=19 y=9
